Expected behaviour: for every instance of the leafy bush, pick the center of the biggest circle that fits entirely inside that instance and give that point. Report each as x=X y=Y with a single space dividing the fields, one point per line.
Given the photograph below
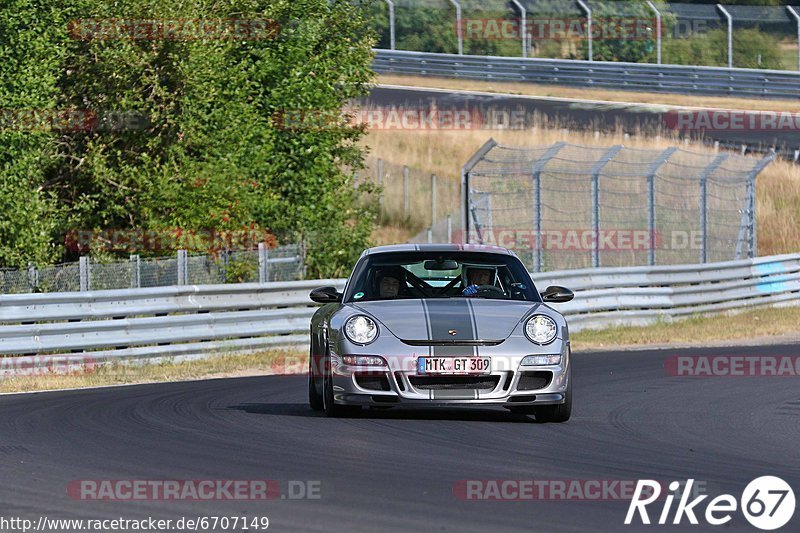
x=210 y=150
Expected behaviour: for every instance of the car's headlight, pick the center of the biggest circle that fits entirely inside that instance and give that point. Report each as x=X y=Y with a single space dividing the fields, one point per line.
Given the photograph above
x=540 y=360
x=541 y=329
x=361 y=329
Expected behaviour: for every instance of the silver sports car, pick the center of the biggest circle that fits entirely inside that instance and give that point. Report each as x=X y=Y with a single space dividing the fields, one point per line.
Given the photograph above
x=440 y=325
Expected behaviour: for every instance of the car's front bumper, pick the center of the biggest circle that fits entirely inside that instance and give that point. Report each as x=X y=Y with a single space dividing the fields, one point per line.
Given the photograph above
x=507 y=385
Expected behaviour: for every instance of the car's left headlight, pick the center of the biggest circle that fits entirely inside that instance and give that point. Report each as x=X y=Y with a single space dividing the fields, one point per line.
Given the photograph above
x=361 y=329
x=541 y=329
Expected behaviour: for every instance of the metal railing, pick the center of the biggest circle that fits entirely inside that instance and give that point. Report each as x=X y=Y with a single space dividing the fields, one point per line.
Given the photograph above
x=282 y=263
x=199 y=321
x=712 y=81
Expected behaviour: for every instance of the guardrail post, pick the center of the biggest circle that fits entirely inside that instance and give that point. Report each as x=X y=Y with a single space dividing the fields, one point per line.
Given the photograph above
x=466 y=201
x=433 y=199
x=263 y=263
x=796 y=16
x=430 y=235
x=136 y=273
x=658 y=30
x=83 y=273
x=536 y=173
x=182 y=267
x=405 y=191
x=596 y=170
x=651 y=201
x=391 y=23
x=459 y=28
x=588 y=12
x=523 y=27
x=730 y=33
x=715 y=164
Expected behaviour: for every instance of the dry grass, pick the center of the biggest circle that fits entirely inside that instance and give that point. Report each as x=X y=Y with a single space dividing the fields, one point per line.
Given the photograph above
x=444 y=152
x=229 y=365
x=696 y=331
x=556 y=91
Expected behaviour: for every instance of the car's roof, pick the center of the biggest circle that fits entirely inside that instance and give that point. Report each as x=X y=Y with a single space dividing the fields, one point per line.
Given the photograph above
x=444 y=247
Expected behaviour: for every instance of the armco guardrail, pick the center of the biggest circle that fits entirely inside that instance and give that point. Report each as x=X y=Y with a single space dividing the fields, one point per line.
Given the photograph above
x=194 y=321
x=601 y=74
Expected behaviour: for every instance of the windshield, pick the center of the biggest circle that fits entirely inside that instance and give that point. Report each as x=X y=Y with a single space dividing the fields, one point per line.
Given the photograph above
x=410 y=275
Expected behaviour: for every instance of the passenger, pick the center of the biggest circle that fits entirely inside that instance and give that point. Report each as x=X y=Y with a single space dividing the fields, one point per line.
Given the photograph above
x=390 y=282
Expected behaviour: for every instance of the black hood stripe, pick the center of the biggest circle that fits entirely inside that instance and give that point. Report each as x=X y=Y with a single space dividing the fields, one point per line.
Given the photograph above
x=450 y=314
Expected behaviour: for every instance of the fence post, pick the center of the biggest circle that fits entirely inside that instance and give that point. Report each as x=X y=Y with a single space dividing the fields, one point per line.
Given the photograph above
x=588 y=11
x=380 y=185
x=430 y=235
x=391 y=23
x=433 y=199
x=523 y=24
x=182 y=267
x=465 y=184
x=797 y=20
x=83 y=273
x=449 y=228
x=136 y=274
x=459 y=29
x=714 y=165
x=730 y=33
x=751 y=204
x=596 y=170
x=33 y=277
x=536 y=173
x=405 y=192
x=658 y=30
x=263 y=263
x=651 y=201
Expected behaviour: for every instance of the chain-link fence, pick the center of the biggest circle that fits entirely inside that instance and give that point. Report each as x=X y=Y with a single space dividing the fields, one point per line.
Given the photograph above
x=283 y=263
x=566 y=206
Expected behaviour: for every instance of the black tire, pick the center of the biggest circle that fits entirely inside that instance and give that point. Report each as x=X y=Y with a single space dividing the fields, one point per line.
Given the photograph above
x=556 y=413
x=314 y=398
x=331 y=409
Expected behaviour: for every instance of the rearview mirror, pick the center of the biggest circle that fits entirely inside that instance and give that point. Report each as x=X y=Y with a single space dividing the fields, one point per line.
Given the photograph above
x=448 y=264
x=326 y=295
x=557 y=295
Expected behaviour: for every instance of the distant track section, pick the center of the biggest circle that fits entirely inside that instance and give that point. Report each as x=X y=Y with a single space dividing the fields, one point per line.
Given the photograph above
x=756 y=131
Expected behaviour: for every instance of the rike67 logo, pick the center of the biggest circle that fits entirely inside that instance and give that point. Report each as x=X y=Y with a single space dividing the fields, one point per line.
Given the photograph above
x=767 y=502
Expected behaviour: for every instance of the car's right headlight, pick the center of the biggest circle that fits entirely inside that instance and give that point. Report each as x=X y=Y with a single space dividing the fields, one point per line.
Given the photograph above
x=361 y=329
x=541 y=329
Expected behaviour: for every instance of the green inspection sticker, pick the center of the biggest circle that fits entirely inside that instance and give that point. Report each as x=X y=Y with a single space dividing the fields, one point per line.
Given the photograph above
x=358 y=295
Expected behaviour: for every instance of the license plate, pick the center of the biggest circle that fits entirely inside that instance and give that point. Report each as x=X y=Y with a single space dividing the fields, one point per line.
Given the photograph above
x=454 y=365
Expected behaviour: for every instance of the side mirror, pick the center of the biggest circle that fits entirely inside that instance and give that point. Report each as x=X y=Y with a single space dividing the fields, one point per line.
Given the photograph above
x=557 y=295
x=326 y=295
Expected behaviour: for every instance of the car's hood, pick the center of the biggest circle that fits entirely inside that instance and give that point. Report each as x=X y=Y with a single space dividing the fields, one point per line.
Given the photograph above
x=437 y=319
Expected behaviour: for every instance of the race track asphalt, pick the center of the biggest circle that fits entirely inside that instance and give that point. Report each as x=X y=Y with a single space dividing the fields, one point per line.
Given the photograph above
x=576 y=115
x=396 y=470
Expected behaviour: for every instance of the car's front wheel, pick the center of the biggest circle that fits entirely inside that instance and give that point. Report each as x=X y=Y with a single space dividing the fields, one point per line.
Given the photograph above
x=314 y=397
x=329 y=406
x=556 y=413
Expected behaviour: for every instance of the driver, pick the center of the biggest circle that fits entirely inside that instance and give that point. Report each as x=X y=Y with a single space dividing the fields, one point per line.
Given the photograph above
x=389 y=282
x=477 y=277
